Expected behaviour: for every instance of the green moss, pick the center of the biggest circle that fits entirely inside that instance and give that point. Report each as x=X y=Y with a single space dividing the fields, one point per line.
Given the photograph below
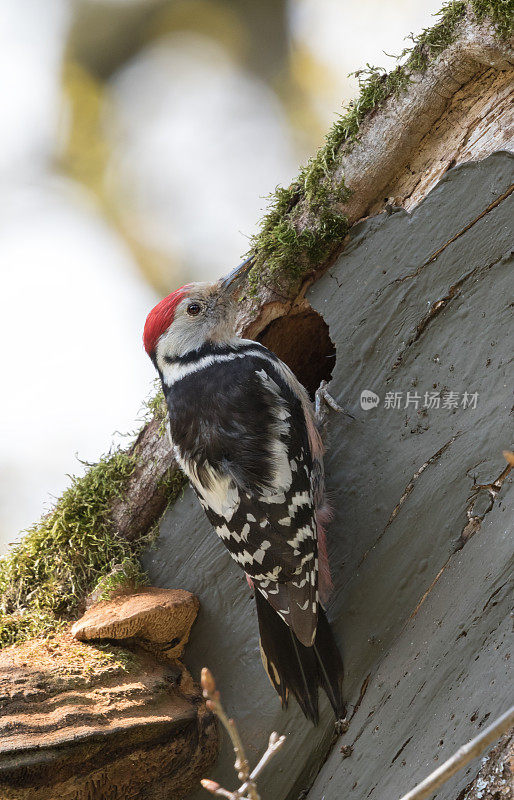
x=45 y=576
x=114 y=656
x=500 y=12
x=287 y=251
x=155 y=408
x=74 y=550
x=174 y=481
x=123 y=577
x=157 y=405
x=21 y=626
x=432 y=41
x=305 y=222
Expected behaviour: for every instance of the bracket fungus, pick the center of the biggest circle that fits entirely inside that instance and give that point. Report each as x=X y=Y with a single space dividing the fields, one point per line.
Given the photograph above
x=158 y=620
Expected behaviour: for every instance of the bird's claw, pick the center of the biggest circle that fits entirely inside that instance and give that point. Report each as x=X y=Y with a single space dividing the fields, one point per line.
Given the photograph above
x=323 y=399
x=342 y=725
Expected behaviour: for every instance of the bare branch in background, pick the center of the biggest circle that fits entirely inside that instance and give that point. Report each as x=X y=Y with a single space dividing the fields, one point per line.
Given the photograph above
x=248 y=788
x=463 y=756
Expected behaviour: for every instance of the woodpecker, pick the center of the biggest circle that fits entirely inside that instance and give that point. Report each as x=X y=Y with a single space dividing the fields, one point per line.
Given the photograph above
x=244 y=431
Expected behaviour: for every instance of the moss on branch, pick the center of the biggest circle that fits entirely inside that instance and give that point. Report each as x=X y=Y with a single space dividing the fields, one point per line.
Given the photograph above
x=47 y=574
x=156 y=408
x=500 y=12
x=306 y=221
x=75 y=550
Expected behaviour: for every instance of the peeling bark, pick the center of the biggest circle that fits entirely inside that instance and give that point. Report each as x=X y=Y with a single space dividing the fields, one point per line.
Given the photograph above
x=385 y=149
x=460 y=109
x=482 y=500
x=477 y=120
x=473 y=525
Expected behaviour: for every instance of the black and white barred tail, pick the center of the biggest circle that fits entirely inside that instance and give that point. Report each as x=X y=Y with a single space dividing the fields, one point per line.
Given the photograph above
x=294 y=668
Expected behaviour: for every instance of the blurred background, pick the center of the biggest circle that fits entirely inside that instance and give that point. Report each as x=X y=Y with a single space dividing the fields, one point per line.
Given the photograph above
x=139 y=140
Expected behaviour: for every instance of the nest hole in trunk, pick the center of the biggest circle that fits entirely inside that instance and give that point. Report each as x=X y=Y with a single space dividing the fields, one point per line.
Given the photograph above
x=302 y=341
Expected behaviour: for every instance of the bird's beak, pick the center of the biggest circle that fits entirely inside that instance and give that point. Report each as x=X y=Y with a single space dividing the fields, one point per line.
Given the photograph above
x=231 y=282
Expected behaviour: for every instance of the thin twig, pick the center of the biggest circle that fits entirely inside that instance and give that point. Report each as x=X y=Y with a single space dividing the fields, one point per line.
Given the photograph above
x=463 y=756
x=275 y=743
x=241 y=764
x=248 y=788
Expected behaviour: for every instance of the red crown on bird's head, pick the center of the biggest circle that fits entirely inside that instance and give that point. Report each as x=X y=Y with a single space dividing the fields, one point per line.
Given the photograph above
x=160 y=318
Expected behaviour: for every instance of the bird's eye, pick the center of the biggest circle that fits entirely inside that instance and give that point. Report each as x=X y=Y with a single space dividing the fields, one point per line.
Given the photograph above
x=194 y=309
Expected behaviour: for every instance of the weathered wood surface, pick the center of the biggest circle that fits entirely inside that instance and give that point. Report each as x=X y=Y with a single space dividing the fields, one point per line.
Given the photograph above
x=412 y=120
x=439 y=669
x=79 y=722
x=477 y=120
x=417 y=302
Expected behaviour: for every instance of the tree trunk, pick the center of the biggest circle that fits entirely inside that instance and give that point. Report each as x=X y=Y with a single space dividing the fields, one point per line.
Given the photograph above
x=412 y=309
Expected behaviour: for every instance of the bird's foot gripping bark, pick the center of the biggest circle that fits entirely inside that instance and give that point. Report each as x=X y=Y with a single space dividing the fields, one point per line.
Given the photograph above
x=341 y=725
x=324 y=400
